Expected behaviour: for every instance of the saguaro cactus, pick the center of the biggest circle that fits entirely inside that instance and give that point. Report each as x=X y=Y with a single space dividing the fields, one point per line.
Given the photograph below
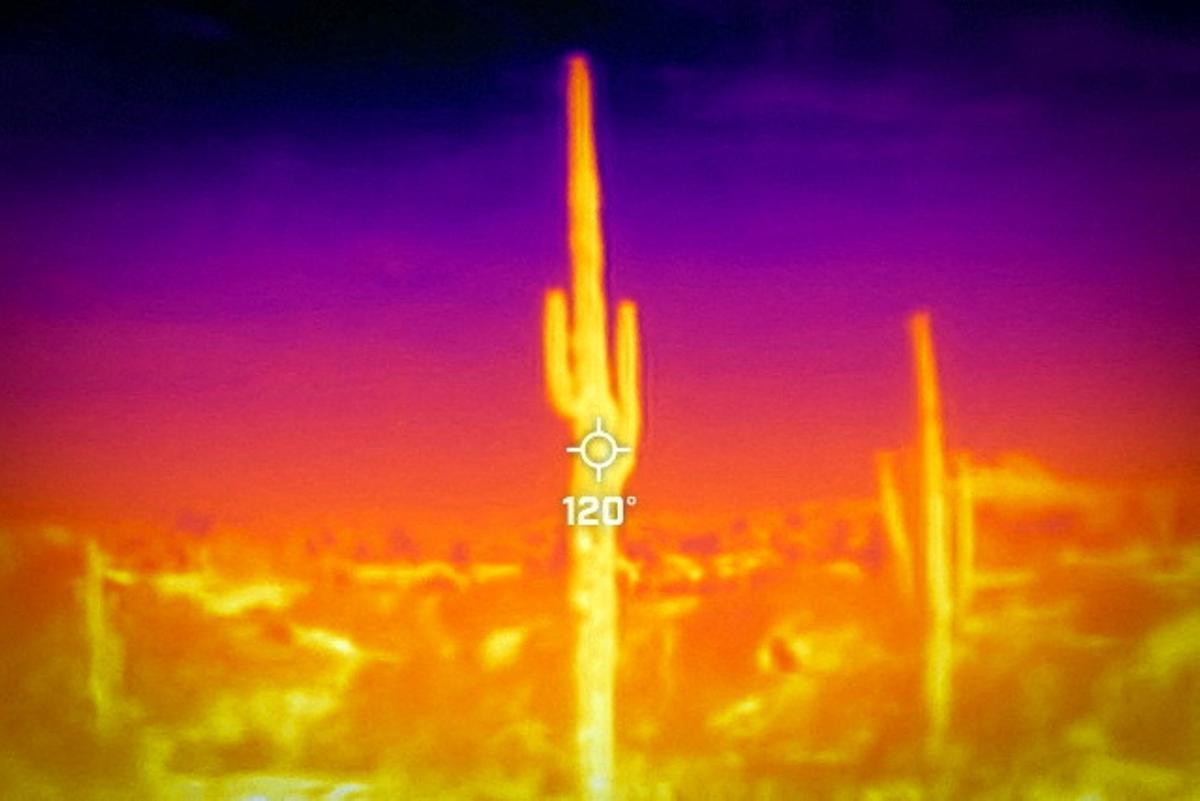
x=941 y=578
x=104 y=645
x=581 y=387
x=932 y=524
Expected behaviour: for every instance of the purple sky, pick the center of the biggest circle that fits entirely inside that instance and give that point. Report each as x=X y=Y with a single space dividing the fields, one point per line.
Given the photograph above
x=775 y=209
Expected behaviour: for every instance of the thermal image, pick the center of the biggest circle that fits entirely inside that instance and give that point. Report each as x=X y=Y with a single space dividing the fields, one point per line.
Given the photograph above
x=611 y=402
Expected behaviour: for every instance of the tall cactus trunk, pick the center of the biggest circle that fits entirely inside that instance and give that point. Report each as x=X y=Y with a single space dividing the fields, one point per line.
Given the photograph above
x=580 y=383
x=594 y=601
x=939 y=602
x=104 y=646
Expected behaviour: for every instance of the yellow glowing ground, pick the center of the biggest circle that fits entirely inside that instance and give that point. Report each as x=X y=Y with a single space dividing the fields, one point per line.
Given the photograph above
x=779 y=661
x=799 y=653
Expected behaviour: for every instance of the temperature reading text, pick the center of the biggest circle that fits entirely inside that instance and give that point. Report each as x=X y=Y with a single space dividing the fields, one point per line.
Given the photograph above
x=590 y=510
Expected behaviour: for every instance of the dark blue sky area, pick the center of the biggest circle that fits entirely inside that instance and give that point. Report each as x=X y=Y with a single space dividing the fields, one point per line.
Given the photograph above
x=129 y=69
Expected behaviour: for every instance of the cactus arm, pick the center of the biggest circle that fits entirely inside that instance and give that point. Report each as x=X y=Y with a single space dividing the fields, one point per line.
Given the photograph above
x=629 y=370
x=555 y=346
x=893 y=522
x=964 y=530
x=585 y=235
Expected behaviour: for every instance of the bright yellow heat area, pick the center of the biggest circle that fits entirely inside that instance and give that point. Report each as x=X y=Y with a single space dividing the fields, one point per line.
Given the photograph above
x=579 y=383
x=223 y=597
x=1023 y=483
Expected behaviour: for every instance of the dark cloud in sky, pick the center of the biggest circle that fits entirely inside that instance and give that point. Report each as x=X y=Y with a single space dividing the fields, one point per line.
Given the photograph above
x=93 y=70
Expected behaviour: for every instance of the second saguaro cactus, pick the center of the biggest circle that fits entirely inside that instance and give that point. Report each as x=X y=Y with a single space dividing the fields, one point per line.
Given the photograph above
x=934 y=567
x=104 y=643
x=583 y=383
x=939 y=603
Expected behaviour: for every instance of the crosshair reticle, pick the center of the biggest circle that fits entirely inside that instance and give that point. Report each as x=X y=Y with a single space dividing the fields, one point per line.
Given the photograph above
x=614 y=449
